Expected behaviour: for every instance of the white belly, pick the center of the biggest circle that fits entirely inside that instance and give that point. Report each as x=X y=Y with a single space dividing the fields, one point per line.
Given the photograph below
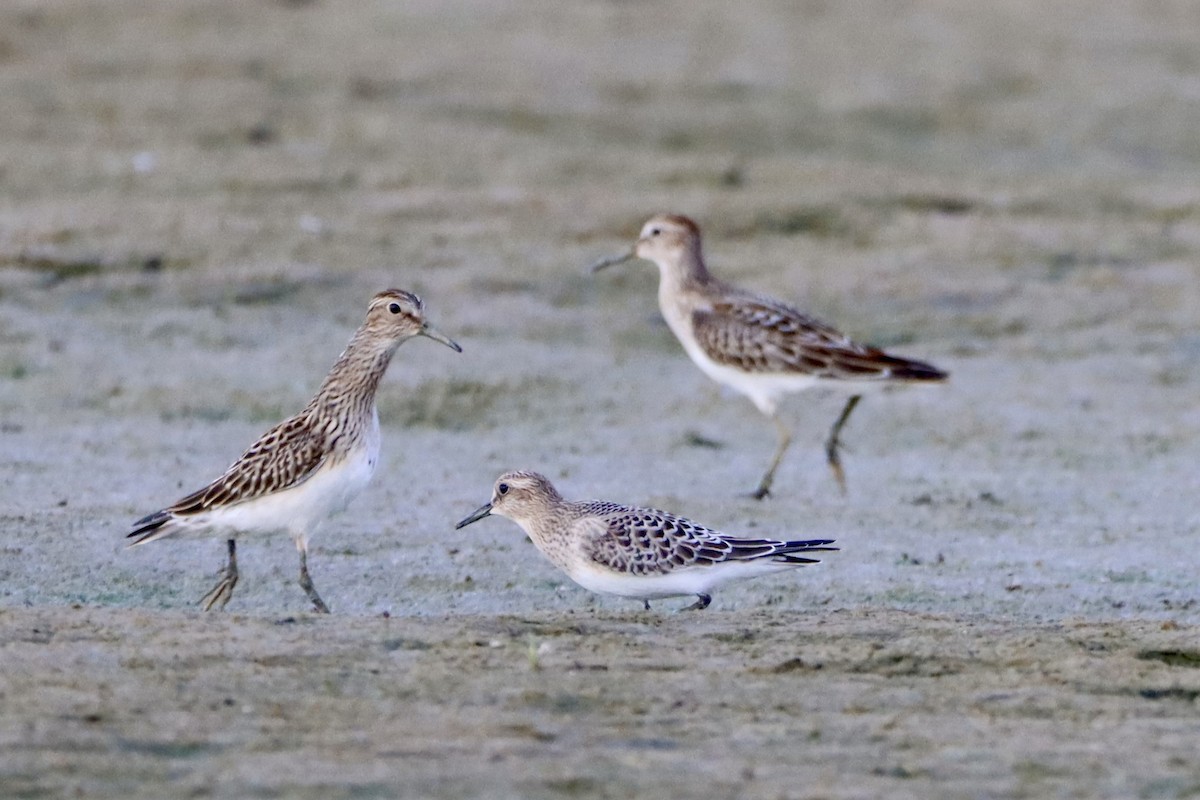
x=688 y=581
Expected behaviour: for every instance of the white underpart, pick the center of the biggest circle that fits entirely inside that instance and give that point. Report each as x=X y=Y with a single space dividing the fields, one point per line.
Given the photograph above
x=682 y=581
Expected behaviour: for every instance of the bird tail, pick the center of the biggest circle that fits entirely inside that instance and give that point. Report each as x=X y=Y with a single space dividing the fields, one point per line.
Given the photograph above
x=787 y=552
x=151 y=527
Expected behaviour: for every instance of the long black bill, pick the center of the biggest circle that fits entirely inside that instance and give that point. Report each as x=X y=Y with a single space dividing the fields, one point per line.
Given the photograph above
x=433 y=333
x=610 y=261
x=477 y=515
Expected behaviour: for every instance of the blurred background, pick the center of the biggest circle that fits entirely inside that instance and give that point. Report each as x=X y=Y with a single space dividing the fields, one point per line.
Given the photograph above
x=311 y=132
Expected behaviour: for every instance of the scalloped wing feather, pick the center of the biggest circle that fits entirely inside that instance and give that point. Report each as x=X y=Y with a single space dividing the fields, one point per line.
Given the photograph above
x=758 y=334
x=646 y=541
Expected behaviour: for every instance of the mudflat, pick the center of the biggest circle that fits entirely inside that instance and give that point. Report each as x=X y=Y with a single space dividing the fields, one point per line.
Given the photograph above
x=762 y=703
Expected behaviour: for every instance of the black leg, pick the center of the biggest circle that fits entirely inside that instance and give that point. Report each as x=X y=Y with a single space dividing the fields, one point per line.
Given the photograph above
x=647 y=602
x=702 y=601
x=224 y=588
x=307 y=585
x=833 y=442
x=785 y=439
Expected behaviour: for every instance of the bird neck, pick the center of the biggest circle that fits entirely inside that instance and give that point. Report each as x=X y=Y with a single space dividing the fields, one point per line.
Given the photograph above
x=685 y=271
x=549 y=533
x=349 y=389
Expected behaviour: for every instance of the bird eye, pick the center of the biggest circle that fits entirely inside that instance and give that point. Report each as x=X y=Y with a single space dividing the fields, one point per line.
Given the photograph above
x=502 y=488
x=655 y=231
x=394 y=308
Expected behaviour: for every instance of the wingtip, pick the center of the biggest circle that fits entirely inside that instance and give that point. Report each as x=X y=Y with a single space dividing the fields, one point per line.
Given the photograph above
x=147 y=527
x=920 y=371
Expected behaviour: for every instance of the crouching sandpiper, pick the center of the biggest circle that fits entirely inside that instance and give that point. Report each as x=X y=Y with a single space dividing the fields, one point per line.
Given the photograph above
x=642 y=553
x=308 y=466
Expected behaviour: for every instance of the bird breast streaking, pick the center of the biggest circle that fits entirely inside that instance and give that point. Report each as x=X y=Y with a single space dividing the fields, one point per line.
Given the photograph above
x=310 y=465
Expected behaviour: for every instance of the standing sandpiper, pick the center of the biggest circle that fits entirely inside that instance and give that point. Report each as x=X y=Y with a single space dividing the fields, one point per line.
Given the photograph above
x=308 y=466
x=757 y=345
x=641 y=553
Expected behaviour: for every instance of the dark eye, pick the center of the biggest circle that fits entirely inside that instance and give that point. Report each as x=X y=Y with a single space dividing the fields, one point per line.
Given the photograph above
x=502 y=488
x=655 y=231
x=394 y=308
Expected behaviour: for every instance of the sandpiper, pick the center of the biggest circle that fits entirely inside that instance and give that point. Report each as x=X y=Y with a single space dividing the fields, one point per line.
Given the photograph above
x=757 y=345
x=308 y=466
x=641 y=553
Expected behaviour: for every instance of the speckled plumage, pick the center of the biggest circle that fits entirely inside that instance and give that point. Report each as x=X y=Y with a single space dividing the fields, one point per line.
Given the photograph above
x=758 y=345
x=760 y=334
x=310 y=465
x=635 y=552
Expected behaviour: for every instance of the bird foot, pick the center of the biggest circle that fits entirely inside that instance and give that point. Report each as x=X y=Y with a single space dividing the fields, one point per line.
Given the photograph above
x=306 y=584
x=761 y=493
x=835 y=464
x=834 y=443
x=219 y=595
x=224 y=588
x=702 y=601
x=310 y=590
x=318 y=604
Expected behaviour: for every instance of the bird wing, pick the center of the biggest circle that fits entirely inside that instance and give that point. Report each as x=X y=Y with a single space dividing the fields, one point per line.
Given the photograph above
x=283 y=457
x=759 y=334
x=646 y=541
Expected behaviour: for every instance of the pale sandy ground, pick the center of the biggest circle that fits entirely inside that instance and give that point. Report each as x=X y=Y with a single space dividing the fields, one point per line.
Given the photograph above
x=199 y=198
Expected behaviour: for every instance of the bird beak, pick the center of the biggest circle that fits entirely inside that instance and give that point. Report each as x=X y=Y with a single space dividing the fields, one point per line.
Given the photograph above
x=611 y=260
x=438 y=336
x=478 y=514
